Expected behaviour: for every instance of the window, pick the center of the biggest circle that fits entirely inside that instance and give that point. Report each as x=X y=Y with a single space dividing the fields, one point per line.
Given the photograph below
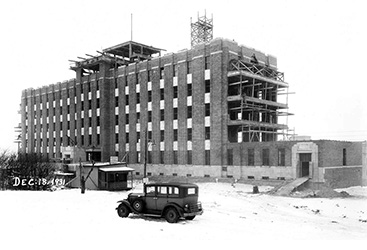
x=127 y=119
x=161 y=73
x=251 y=157
x=207 y=133
x=189 y=89
x=137 y=117
x=230 y=156
x=188 y=65
x=174 y=191
x=98 y=139
x=116 y=101
x=88 y=86
x=189 y=112
x=82 y=122
x=162 y=157
x=207 y=109
x=175 y=157
x=116 y=119
x=175 y=92
x=149 y=75
x=162 y=190
x=265 y=157
x=127 y=137
x=175 y=135
x=191 y=191
x=149 y=116
x=149 y=96
x=175 y=113
x=207 y=157
x=174 y=70
x=127 y=100
x=116 y=85
x=137 y=97
x=281 y=157
x=189 y=157
x=98 y=103
x=150 y=191
x=82 y=105
x=344 y=156
x=116 y=138
x=207 y=62
x=207 y=86
x=89 y=104
x=162 y=135
x=162 y=114
x=189 y=134
x=162 y=94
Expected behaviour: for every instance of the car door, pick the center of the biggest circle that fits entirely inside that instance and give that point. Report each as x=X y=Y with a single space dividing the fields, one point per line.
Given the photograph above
x=150 y=198
x=162 y=192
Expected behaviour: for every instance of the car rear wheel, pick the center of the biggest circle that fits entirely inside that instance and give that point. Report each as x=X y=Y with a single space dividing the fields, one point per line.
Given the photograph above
x=123 y=211
x=190 y=217
x=138 y=205
x=172 y=215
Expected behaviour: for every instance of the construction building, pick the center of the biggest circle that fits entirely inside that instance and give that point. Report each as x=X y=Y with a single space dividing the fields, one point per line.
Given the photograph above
x=191 y=104
x=211 y=111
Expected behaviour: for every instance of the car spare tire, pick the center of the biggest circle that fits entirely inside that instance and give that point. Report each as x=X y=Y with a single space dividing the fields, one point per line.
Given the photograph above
x=138 y=205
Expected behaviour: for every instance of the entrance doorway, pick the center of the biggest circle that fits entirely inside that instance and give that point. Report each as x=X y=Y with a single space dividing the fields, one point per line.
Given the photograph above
x=304 y=159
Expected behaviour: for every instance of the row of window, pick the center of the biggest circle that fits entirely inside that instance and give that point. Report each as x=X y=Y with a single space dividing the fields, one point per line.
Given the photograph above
x=265 y=157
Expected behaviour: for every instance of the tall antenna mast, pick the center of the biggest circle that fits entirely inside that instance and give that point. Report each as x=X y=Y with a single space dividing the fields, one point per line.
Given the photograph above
x=201 y=30
x=131 y=27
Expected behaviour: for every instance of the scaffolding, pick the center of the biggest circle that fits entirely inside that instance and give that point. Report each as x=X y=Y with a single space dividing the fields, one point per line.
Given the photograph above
x=116 y=56
x=253 y=106
x=201 y=30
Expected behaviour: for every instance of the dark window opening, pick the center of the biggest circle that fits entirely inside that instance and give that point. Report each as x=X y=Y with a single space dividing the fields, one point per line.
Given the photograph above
x=162 y=94
x=207 y=133
x=207 y=109
x=281 y=157
x=189 y=157
x=230 y=156
x=189 y=89
x=189 y=112
x=265 y=157
x=251 y=157
x=175 y=92
x=207 y=86
x=162 y=114
x=207 y=157
x=189 y=134
x=344 y=156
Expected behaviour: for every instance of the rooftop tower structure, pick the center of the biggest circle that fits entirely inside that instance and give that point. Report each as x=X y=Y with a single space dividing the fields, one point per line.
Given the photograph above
x=201 y=30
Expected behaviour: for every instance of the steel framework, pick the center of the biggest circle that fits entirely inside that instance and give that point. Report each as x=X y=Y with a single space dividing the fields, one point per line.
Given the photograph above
x=253 y=106
x=201 y=30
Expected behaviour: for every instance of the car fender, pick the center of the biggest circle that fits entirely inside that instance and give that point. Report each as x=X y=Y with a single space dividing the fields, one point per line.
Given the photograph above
x=178 y=208
x=126 y=203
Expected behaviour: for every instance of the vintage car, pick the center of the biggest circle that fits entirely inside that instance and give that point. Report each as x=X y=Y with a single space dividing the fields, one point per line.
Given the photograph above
x=169 y=200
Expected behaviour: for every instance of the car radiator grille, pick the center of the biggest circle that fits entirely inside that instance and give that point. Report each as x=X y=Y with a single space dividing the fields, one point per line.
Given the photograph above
x=195 y=207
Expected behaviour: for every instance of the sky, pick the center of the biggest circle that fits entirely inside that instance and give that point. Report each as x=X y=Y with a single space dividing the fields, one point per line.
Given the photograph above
x=320 y=47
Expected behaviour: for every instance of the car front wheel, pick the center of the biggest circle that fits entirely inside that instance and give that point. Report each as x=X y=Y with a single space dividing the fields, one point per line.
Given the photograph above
x=172 y=215
x=123 y=210
x=138 y=205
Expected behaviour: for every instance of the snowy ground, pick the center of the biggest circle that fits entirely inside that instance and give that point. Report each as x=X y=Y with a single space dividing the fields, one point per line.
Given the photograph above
x=233 y=216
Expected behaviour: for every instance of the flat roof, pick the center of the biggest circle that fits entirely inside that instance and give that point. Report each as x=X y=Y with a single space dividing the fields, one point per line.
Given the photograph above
x=123 y=49
x=116 y=169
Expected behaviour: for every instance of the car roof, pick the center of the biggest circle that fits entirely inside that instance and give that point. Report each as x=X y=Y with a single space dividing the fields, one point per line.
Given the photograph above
x=180 y=184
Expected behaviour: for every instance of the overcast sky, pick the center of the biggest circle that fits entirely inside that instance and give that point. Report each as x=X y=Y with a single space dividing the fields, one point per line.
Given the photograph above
x=320 y=46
